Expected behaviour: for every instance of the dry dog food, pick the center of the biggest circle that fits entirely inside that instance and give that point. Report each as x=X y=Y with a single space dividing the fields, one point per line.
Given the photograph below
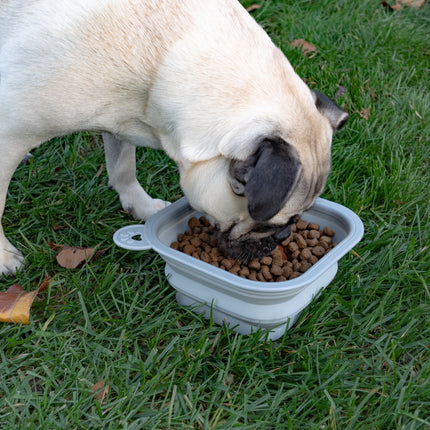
x=296 y=254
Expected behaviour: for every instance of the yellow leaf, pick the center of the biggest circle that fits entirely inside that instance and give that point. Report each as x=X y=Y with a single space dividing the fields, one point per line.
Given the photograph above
x=15 y=305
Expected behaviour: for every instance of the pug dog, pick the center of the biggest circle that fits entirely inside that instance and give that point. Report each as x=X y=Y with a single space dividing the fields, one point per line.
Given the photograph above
x=199 y=79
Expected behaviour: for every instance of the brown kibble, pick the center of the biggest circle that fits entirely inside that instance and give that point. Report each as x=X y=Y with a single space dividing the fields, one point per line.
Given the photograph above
x=204 y=237
x=302 y=249
x=227 y=263
x=296 y=265
x=326 y=239
x=266 y=273
x=181 y=237
x=318 y=251
x=260 y=277
x=302 y=224
x=287 y=271
x=314 y=234
x=204 y=256
x=328 y=231
x=323 y=244
x=306 y=254
x=266 y=260
x=235 y=268
x=301 y=241
x=295 y=275
x=313 y=259
x=292 y=246
x=276 y=270
x=277 y=259
x=254 y=264
x=305 y=265
x=314 y=226
x=193 y=222
x=312 y=242
x=204 y=221
x=286 y=241
x=183 y=244
x=196 y=242
x=189 y=249
x=244 y=272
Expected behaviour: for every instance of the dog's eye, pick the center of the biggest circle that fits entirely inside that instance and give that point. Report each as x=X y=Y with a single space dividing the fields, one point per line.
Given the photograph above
x=237 y=187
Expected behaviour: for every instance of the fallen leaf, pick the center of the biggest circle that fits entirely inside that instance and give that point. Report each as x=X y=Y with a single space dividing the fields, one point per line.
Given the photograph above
x=365 y=113
x=58 y=227
x=15 y=303
x=71 y=257
x=372 y=94
x=55 y=246
x=397 y=6
x=416 y=4
x=100 y=390
x=253 y=7
x=306 y=47
x=411 y=3
x=340 y=92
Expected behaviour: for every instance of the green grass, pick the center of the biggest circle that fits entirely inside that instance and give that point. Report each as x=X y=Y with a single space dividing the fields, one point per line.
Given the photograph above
x=358 y=358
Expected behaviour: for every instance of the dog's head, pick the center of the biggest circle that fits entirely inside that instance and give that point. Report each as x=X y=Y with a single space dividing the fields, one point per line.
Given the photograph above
x=266 y=174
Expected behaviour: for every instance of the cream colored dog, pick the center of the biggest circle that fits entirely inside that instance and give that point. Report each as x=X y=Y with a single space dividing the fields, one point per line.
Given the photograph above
x=198 y=79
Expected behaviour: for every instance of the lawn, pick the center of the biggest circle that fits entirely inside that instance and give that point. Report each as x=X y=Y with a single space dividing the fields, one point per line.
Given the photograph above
x=108 y=346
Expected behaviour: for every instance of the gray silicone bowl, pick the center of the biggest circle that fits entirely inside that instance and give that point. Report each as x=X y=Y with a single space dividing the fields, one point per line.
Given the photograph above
x=226 y=298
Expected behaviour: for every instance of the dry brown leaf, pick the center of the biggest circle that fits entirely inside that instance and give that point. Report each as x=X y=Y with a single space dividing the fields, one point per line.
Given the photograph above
x=54 y=246
x=411 y=3
x=396 y=6
x=306 y=47
x=15 y=303
x=340 y=92
x=371 y=93
x=71 y=257
x=365 y=113
x=100 y=390
x=253 y=7
x=416 y=4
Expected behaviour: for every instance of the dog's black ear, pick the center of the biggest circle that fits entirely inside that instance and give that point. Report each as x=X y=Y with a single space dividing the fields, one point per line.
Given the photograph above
x=331 y=110
x=267 y=177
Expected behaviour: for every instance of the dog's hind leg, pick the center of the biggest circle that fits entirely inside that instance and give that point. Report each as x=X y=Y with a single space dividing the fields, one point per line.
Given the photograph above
x=12 y=152
x=121 y=168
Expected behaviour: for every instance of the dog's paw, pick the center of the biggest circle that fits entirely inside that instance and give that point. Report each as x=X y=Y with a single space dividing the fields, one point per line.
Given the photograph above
x=142 y=210
x=11 y=260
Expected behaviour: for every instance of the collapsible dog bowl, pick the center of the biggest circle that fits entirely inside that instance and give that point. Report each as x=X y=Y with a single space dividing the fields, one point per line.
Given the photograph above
x=224 y=297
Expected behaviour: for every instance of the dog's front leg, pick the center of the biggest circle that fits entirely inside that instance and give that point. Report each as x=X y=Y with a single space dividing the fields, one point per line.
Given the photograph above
x=12 y=151
x=121 y=168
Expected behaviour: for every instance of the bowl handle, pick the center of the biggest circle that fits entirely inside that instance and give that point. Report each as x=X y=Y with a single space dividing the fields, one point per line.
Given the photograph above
x=132 y=238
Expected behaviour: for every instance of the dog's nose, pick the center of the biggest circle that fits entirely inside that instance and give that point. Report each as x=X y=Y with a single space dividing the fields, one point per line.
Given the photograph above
x=283 y=234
